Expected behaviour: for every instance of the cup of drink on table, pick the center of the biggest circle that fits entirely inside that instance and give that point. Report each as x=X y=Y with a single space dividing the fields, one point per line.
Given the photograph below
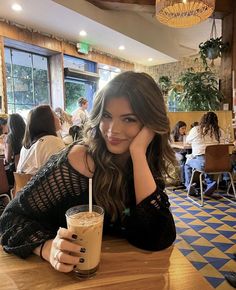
x=86 y=221
x=88 y=228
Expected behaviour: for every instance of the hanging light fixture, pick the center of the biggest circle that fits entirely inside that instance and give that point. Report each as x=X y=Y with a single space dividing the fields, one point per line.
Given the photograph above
x=183 y=13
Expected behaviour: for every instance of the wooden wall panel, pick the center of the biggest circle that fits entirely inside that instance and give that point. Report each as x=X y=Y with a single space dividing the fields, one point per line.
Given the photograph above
x=57 y=46
x=224 y=117
x=226 y=61
x=3 y=91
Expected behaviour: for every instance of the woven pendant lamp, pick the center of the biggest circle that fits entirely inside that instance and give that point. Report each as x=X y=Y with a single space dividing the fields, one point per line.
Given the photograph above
x=183 y=13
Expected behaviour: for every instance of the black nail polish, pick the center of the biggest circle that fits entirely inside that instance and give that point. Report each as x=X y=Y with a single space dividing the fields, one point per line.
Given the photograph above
x=82 y=250
x=74 y=236
x=81 y=260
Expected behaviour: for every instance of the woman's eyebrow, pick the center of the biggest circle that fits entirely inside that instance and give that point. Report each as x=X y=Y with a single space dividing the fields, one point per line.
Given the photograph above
x=129 y=115
x=123 y=115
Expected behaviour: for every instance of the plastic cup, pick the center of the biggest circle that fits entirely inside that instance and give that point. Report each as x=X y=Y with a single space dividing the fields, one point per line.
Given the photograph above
x=88 y=227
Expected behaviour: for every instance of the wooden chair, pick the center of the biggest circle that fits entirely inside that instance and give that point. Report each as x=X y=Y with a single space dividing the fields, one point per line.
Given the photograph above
x=217 y=161
x=20 y=181
x=4 y=186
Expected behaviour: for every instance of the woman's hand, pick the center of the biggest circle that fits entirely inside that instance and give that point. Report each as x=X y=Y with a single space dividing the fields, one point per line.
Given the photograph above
x=141 y=141
x=62 y=252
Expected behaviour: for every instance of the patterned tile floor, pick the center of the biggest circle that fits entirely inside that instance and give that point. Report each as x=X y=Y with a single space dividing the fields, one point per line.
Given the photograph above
x=206 y=236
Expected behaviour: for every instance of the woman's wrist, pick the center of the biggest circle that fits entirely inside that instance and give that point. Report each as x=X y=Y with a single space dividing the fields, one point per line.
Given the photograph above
x=44 y=250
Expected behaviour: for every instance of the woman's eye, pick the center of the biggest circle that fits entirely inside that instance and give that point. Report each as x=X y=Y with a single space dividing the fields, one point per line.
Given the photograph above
x=105 y=115
x=128 y=120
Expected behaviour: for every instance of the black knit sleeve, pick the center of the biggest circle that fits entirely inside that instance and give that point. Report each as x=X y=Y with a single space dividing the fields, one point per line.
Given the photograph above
x=150 y=224
x=38 y=210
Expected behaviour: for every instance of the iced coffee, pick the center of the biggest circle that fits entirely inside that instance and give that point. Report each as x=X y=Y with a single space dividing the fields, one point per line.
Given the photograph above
x=88 y=228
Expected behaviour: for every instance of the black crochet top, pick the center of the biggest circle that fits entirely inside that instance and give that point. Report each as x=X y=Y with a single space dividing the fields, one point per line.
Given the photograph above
x=38 y=210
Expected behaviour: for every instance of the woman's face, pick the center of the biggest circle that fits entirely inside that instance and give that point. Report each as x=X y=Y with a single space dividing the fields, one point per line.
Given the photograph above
x=119 y=125
x=182 y=130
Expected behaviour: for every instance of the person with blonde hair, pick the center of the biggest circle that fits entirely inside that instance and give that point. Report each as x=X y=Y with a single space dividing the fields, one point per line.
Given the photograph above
x=80 y=116
x=66 y=123
x=125 y=150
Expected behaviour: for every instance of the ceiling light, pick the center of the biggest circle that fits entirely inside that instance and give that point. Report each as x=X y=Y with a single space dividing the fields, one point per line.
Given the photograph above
x=82 y=33
x=150 y=59
x=16 y=7
x=183 y=13
x=121 y=47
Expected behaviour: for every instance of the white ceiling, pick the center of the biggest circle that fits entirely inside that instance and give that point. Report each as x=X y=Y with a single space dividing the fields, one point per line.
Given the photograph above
x=141 y=34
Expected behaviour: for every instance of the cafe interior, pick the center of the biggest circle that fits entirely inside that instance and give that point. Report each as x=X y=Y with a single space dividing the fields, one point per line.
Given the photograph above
x=53 y=51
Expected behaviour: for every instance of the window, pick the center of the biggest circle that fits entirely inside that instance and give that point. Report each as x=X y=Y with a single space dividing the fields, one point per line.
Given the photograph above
x=79 y=84
x=106 y=74
x=27 y=80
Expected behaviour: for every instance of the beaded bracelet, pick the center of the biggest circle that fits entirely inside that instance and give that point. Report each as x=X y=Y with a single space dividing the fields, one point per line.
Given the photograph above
x=41 y=251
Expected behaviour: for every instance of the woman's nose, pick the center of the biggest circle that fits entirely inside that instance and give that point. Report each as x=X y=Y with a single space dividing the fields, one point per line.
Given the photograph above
x=115 y=126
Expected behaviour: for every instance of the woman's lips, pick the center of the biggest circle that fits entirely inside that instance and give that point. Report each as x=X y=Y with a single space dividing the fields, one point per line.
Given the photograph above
x=114 y=141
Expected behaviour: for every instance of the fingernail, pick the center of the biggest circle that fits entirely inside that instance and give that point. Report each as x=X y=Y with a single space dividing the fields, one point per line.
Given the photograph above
x=82 y=250
x=74 y=236
x=81 y=260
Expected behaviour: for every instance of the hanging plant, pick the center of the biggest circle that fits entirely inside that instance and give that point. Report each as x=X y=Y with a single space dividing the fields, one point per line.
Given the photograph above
x=212 y=48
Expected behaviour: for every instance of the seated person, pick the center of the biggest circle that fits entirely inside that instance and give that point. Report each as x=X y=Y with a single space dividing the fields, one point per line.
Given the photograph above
x=177 y=135
x=207 y=133
x=75 y=132
x=66 y=123
x=40 y=139
x=194 y=124
x=126 y=152
x=3 y=125
x=13 y=144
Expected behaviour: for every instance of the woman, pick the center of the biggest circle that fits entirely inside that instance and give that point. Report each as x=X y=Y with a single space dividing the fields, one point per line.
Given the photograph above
x=207 y=133
x=177 y=135
x=66 y=123
x=3 y=125
x=126 y=151
x=80 y=115
x=13 y=143
x=179 y=131
x=40 y=139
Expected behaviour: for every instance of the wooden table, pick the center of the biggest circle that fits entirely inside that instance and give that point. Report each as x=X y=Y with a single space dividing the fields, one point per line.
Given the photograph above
x=186 y=146
x=122 y=267
x=180 y=145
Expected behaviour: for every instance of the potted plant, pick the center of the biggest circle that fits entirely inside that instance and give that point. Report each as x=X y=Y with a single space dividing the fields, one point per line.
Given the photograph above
x=211 y=49
x=200 y=91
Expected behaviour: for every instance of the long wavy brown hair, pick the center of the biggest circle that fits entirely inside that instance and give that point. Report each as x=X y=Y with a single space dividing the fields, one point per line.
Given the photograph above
x=110 y=179
x=209 y=124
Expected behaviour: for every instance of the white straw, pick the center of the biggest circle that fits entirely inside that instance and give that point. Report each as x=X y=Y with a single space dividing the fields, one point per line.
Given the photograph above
x=90 y=194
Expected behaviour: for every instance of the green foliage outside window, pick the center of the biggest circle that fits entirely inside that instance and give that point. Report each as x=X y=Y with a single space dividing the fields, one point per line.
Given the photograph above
x=27 y=81
x=74 y=90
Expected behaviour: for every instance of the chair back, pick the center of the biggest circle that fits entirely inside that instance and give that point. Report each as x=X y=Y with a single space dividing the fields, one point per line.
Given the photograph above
x=4 y=186
x=20 y=180
x=217 y=158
